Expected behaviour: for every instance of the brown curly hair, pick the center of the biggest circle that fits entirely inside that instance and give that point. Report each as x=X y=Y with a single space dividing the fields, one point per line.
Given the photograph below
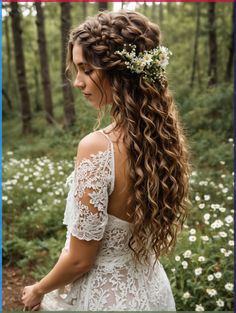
x=153 y=136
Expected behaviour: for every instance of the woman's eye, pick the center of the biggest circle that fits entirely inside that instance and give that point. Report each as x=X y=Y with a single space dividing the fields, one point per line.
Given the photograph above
x=88 y=71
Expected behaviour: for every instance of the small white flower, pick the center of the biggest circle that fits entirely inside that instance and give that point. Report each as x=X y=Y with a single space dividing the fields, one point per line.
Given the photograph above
x=199 y=308
x=220 y=303
x=207 y=197
x=187 y=254
x=218 y=275
x=186 y=295
x=222 y=209
x=201 y=206
x=210 y=277
x=230 y=140
x=205 y=238
x=198 y=271
x=184 y=264
x=217 y=224
x=192 y=231
x=229 y=219
x=222 y=234
x=197 y=198
x=222 y=250
x=177 y=258
x=229 y=198
x=201 y=258
x=228 y=253
x=229 y=287
x=173 y=270
x=192 y=238
x=225 y=190
x=222 y=162
x=4 y=198
x=211 y=292
x=39 y=190
x=206 y=216
x=231 y=243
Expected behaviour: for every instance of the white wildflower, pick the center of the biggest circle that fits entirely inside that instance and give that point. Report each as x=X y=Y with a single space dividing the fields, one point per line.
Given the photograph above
x=186 y=295
x=210 y=277
x=187 y=254
x=192 y=238
x=205 y=238
x=211 y=292
x=229 y=219
x=192 y=231
x=184 y=264
x=218 y=275
x=199 y=308
x=220 y=303
x=207 y=197
x=198 y=271
x=229 y=287
x=201 y=258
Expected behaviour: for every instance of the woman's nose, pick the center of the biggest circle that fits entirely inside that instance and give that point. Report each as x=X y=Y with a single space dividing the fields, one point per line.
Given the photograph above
x=79 y=83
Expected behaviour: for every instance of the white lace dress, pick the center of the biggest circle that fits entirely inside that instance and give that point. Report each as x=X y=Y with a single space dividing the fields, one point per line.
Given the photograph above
x=115 y=283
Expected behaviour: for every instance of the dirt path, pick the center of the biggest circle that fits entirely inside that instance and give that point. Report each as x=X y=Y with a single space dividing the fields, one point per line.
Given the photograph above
x=12 y=283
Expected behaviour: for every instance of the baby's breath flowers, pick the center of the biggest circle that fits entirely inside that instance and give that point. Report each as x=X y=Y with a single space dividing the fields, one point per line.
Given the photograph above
x=151 y=63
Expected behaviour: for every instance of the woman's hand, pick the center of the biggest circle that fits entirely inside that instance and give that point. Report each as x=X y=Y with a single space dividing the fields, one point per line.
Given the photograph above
x=32 y=297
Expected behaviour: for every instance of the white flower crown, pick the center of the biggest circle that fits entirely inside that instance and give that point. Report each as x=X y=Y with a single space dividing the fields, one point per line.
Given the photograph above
x=151 y=63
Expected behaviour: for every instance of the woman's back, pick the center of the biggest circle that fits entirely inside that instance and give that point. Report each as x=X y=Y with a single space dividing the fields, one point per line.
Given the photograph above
x=118 y=200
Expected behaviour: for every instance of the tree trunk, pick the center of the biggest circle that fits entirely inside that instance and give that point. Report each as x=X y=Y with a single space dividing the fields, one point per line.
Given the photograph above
x=8 y=50
x=102 y=6
x=229 y=66
x=195 y=51
x=212 y=69
x=8 y=100
x=37 y=91
x=43 y=56
x=69 y=108
x=20 y=68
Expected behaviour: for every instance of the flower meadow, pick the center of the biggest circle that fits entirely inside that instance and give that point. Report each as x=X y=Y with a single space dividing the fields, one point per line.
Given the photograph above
x=200 y=268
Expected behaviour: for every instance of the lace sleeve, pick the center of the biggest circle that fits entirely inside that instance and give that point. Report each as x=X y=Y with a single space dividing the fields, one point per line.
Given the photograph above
x=92 y=186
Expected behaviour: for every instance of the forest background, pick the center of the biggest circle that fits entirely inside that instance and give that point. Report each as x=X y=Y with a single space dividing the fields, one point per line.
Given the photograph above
x=44 y=119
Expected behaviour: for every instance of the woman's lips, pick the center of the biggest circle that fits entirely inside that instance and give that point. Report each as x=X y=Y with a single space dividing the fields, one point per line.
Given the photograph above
x=87 y=94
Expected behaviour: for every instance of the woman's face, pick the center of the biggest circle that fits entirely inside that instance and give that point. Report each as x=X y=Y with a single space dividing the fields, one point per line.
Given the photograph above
x=93 y=83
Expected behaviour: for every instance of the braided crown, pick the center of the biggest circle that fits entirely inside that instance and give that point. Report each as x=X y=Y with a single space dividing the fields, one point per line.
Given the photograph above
x=108 y=32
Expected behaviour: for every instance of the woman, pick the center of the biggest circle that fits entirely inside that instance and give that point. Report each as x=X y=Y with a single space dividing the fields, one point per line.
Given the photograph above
x=127 y=198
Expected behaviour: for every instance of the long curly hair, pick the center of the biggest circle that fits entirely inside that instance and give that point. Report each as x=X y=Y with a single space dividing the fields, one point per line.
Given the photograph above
x=152 y=133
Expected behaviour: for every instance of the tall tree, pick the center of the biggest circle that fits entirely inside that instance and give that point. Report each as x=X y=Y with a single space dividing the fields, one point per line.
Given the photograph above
x=8 y=52
x=20 y=68
x=195 y=49
x=229 y=67
x=212 y=67
x=37 y=105
x=102 y=6
x=43 y=56
x=69 y=107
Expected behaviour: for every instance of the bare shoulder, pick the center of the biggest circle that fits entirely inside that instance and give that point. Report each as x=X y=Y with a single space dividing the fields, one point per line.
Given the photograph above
x=91 y=144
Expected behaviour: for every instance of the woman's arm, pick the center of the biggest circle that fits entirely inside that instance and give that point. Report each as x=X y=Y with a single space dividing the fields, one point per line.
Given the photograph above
x=69 y=267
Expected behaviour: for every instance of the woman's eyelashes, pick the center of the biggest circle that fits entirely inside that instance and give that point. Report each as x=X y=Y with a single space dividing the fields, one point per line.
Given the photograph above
x=88 y=71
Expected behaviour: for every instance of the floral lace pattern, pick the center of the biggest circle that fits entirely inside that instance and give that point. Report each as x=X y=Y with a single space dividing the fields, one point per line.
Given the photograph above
x=115 y=282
